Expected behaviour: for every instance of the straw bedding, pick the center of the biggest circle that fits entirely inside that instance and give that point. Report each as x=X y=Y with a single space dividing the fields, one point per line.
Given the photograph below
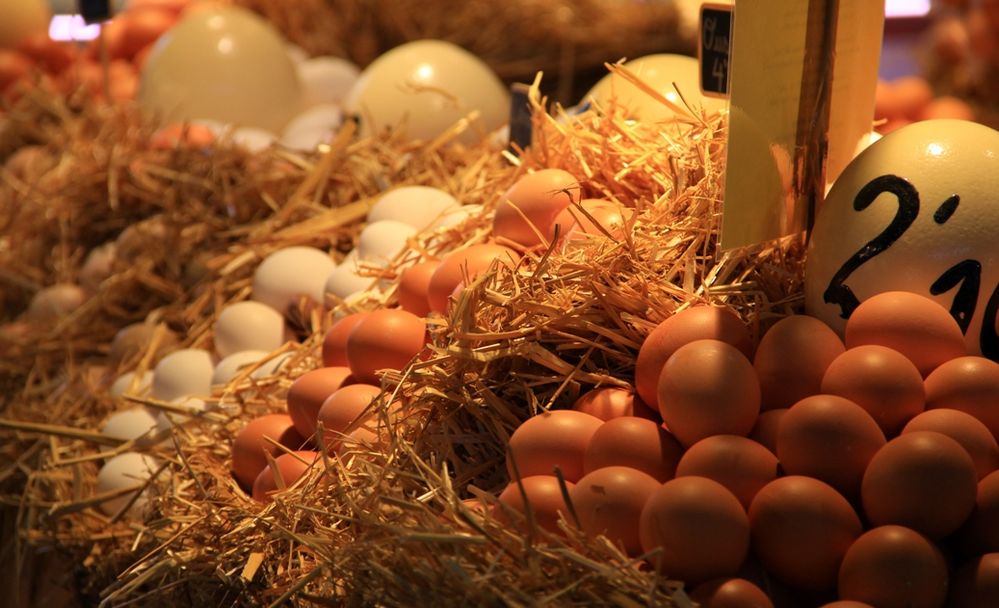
x=385 y=523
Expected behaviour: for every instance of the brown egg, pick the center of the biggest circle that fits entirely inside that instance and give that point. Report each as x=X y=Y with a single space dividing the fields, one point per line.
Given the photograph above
x=308 y=392
x=765 y=431
x=597 y=217
x=708 y=387
x=609 y=502
x=695 y=529
x=801 y=529
x=551 y=439
x=114 y=37
x=52 y=303
x=730 y=593
x=969 y=384
x=791 y=359
x=14 y=67
x=695 y=323
x=947 y=107
x=894 y=567
x=886 y=103
x=613 y=402
x=544 y=499
x=468 y=262
x=335 y=342
x=831 y=439
x=143 y=27
x=414 y=285
x=741 y=465
x=916 y=326
x=980 y=534
x=527 y=212
x=291 y=467
x=182 y=135
x=965 y=429
x=250 y=444
x=385 y=339
x=922 y=480
x=880 y=380
x=912 y=93
x=142 y=56
x=344 y=408
x=976 y=583
x=638 y=443
x=53 y=56
x=124 y=87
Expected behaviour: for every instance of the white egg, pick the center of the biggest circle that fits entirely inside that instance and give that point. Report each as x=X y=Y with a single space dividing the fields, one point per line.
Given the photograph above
x=312 y=127
x=456 y=216
x=253 y=139
x=97 y=267
x=418 y=206
x=126 y=470
x=56 y=301
x=288 y=273
x=326 y=79
x=228 y=368
x=344 y=281
x=248 y=326
x=381 y=241
x=186 y=372
x=121 y=385
x=269 y=368
x=191 y=406
x=130 y=424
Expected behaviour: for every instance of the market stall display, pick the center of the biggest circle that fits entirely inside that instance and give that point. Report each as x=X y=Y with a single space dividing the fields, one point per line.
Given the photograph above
x=397 y=360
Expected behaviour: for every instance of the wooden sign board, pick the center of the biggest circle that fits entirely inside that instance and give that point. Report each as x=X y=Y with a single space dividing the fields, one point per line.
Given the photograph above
x=803 y=74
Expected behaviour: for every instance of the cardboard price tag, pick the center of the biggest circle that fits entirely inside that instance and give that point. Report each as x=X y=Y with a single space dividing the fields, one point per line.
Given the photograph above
x=714 y=48
x=803 y=74
x=94 y=11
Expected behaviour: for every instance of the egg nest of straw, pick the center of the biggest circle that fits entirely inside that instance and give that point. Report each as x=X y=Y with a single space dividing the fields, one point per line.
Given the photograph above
x=386 y=525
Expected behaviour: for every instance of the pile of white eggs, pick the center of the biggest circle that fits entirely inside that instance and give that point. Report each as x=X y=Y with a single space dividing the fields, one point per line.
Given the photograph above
x=248 y=333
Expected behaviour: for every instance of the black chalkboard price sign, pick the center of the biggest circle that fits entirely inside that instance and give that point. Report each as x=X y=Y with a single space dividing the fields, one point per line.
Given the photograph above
x=95 y=10
x=714 y=48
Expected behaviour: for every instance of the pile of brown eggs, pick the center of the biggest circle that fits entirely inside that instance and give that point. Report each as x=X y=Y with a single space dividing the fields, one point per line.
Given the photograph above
x=819 y=471
x=66 y=67
x=341 y=396
x=910 y=99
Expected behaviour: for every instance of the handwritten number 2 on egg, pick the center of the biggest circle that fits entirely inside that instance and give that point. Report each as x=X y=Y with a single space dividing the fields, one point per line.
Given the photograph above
x=966 y=275
x=908 y=208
